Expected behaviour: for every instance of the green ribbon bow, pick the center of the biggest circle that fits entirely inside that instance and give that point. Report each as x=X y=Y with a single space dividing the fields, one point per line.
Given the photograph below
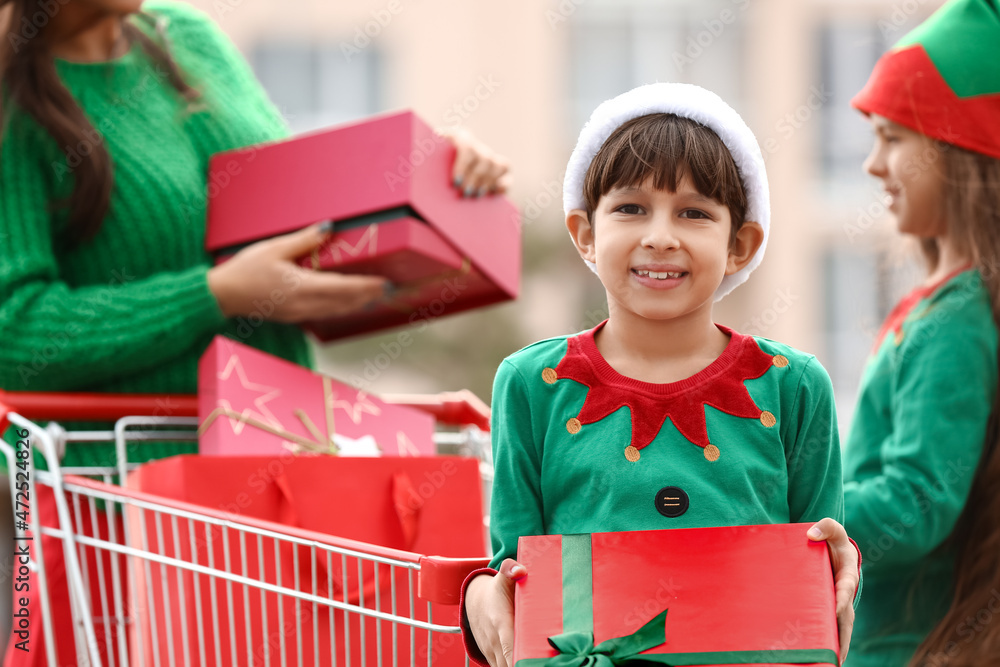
x=576 y=649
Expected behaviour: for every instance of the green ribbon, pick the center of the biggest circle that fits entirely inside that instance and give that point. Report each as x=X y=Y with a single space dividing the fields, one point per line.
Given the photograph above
x=576 y=647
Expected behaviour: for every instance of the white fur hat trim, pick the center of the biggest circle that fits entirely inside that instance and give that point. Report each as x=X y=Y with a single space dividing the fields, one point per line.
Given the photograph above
x=688 y=101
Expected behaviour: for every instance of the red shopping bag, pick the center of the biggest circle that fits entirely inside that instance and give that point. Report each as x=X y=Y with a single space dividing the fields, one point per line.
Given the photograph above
x=101 y=570
x=396 y=508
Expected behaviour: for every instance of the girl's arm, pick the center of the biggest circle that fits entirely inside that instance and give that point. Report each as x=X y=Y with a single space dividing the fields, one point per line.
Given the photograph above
x=515 y=510
x=944 y=389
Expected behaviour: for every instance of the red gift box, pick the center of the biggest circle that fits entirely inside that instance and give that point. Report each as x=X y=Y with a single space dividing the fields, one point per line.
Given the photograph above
x=388 y=169
x=402 y=250
x=405 y=506
x=760 y=595
x=253 y=403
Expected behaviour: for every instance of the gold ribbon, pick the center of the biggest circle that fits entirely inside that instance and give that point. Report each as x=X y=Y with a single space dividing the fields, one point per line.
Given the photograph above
x=323 y=443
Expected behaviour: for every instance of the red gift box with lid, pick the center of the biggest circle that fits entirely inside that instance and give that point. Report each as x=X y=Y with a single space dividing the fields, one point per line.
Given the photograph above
x=251 y=403
x=757 y=595
x=385 y=182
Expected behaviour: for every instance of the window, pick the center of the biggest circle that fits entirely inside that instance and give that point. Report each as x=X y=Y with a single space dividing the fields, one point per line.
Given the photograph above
x=849 y=50
x=860 y=287
x=848 y=53
x=315 y=85
x=615 y=47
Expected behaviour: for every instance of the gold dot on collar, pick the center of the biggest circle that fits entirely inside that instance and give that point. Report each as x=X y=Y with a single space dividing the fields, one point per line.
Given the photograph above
x=711 y=452
x=780 y=360
x=549 y=375
x=631 y=453
x=573 y=425
x=768 y=419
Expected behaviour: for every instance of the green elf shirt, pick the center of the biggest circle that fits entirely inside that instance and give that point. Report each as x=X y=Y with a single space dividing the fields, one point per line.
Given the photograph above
x=579 y=448
x=913 y=448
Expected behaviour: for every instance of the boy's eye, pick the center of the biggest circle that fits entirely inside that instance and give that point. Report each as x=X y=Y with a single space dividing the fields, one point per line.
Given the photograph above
x=629 y=209
x=695 y=214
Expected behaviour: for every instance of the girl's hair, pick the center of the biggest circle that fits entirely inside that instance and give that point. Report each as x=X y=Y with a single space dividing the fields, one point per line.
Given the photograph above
x=667 y=147
x=29 y=81
x=972 y=209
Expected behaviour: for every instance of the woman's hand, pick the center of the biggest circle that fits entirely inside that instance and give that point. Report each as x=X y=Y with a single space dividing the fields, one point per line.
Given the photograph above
x=489 y=606
x=844 y=558
x=477 y=170
x=264 y=279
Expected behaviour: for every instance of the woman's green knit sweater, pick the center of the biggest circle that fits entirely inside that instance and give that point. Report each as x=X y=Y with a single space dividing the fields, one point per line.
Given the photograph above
x=129 y=311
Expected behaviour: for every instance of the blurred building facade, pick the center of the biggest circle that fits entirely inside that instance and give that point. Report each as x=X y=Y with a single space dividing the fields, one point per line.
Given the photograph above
x=524 y=75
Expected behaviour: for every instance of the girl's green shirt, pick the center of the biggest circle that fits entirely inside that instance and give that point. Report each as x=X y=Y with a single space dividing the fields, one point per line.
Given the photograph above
x=914 y=444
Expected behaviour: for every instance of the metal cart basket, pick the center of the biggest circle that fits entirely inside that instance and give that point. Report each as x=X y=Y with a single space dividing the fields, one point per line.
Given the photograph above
x=116 y=576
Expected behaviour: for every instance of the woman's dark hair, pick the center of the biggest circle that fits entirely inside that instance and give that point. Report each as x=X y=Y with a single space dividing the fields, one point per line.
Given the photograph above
x=28 y=81
x=667 y=147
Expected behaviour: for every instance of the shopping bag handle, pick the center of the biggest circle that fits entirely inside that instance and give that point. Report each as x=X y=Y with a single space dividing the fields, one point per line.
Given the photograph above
x=406 y=503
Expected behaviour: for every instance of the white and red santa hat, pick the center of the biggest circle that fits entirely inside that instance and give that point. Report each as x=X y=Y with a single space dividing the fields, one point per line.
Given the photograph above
x=701 y=106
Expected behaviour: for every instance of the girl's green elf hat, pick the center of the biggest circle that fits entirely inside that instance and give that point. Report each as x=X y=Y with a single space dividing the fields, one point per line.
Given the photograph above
x=943 y=79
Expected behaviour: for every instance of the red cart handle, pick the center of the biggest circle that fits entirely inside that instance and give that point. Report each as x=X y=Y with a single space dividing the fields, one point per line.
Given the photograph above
x=457 y=408
x=441 y=578
x=93 y=407
x=453 y=407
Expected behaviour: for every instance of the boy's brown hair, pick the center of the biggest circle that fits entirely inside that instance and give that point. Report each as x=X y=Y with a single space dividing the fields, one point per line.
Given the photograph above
x=667 y=147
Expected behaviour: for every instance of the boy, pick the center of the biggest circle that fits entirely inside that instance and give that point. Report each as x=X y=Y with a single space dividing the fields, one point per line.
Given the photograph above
x=666 y=199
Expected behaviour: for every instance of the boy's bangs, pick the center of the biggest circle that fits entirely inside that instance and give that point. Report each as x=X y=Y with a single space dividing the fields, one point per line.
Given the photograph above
x=666 y=148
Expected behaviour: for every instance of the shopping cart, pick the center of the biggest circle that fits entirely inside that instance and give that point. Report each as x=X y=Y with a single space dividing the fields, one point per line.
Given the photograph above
x=122 y=577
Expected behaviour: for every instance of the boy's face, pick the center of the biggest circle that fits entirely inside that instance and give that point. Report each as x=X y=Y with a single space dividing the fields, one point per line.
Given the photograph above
x=660 y=254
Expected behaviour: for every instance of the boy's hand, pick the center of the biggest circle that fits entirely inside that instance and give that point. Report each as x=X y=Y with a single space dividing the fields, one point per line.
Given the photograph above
x=844 y=558
x=489 y=605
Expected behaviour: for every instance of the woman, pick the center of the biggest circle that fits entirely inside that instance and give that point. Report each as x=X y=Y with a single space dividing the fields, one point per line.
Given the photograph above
x=108 y=116
x=110 y=113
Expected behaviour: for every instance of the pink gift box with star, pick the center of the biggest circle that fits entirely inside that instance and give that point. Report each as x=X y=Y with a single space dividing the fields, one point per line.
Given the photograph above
x=251 y=403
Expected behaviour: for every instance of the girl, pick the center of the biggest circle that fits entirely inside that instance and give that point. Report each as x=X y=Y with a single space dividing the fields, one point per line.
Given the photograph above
x=666 y=198
x=922 y=469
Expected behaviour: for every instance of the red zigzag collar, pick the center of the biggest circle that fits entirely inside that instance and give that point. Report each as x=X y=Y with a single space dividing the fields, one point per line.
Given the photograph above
x=720 y=384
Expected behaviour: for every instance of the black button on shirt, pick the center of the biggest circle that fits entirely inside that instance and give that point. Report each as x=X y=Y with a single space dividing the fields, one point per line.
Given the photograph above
x=671 y=501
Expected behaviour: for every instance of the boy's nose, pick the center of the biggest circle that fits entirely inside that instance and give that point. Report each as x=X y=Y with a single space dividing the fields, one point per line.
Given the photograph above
x=661 y=235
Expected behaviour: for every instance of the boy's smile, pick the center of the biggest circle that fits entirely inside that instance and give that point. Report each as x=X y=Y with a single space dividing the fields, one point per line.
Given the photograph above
x=659 y=276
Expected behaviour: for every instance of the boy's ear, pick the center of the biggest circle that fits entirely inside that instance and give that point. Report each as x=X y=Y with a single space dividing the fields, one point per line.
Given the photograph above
x=582 y=233
x=742 y=250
